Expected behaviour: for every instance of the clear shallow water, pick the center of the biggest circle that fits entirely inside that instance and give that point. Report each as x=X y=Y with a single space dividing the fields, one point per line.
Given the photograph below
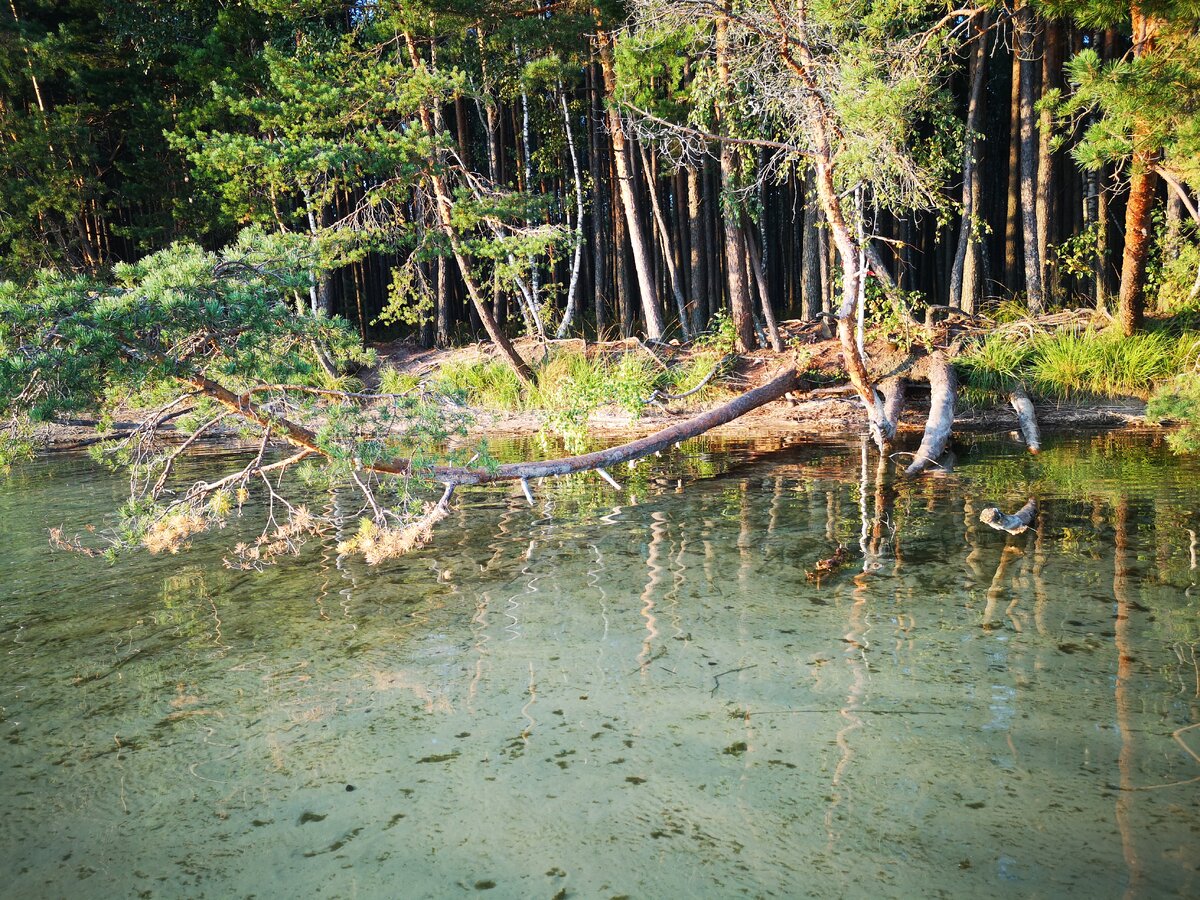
x=634 y=694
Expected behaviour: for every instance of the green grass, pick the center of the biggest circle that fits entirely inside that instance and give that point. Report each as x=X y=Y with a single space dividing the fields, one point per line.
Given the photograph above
x=488 y=383
x=571 y=386
x=1077 y=363
x=393 y=381
x=569 y=377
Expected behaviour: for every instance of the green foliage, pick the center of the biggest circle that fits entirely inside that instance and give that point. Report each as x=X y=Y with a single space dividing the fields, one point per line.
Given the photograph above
x=720 y=336
x=1105 y=364
x=69 y=343
x=393 y=381
x=1147 y=103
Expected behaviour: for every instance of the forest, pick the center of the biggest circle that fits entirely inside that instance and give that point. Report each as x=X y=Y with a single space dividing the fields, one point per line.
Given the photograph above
x=546 y=448
x=243 y=198
x=1038 y=153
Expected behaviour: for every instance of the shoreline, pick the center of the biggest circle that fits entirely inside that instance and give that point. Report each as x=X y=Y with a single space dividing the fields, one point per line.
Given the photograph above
x=814 y=415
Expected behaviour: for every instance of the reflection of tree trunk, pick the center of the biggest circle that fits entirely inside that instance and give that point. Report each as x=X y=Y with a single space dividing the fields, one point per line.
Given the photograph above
x=974 y=558
x=885 y=499
x=745 y=539
x=831 y=516
x=1039 y=582
x=658 y=527
x=856 y=642
x=996 y=589
x=1123 y=700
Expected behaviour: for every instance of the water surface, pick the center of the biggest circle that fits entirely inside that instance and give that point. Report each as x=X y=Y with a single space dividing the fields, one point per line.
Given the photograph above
x=638 y=693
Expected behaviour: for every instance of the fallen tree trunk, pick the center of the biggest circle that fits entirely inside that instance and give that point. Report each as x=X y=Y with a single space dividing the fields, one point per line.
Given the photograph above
x=306 y=439
x=942 y=385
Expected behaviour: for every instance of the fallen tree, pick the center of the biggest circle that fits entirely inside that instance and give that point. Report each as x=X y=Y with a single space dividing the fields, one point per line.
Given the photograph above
x=207 y=342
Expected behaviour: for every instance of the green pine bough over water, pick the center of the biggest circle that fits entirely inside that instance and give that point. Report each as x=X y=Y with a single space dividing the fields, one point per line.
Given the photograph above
x=218 y=342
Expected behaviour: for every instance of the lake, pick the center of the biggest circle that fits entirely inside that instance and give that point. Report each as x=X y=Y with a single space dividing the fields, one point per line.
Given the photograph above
x=677 y=689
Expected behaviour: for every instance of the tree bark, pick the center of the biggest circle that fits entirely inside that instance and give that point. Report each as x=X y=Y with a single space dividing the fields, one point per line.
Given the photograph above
x=938 y=428
x=569 y=313
x=1012 y=218
x=664 y=237
x=602 y=249
x=629 y=201
x=1027 y=417
x=764 y=294
x=811 y=293
x=735 y=269
x=1143 y=186
x=1024 y=24
x=962 y=295
x=444 y=208
x=1047 y=188
x=697 y=275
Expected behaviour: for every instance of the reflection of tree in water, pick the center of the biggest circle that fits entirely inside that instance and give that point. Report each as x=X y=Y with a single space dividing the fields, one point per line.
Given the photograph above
x=1123 y=699
x=191 y=607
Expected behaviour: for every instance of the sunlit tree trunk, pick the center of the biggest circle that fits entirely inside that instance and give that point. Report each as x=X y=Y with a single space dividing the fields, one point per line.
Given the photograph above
x=1025 y=25
x=628 y=193
x=735 y=268
x=962 y=293
x=1143 y=186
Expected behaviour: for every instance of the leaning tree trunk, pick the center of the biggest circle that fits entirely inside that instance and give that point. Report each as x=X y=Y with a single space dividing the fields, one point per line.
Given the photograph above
x=445 y=221
x=628 y=193
x=569 y=315
x=668 y=252
x=942 y=386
